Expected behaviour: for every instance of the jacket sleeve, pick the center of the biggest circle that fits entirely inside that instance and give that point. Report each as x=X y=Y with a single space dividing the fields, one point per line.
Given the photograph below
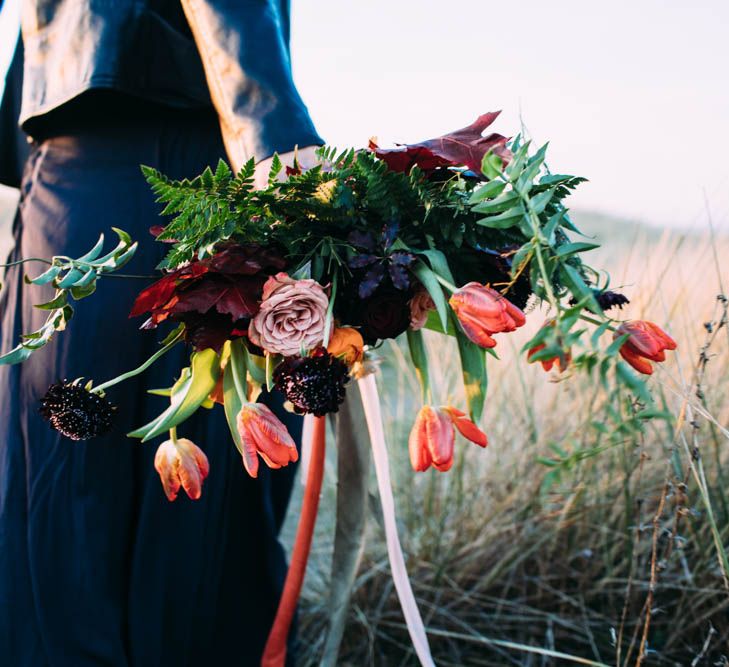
x=244 y=49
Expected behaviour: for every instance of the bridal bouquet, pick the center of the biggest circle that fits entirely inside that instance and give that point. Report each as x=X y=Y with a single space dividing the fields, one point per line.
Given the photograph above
x=294 y=288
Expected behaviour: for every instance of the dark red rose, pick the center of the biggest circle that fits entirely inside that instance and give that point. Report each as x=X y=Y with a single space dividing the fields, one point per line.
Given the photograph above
x=386 y=314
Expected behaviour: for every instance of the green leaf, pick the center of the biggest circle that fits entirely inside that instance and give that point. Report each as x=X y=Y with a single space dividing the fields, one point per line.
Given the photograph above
x=633 y=382
x=256 y=369
x=419 y=357
x=539 y=203
x=232 y=406
x=58 y=301
x=276 y=167
x=475 y=379
x=94 y=252
x=579 y=288
x=81 y=292
x=47 y=276
x=15 y=356
x=238 y=368
x=438 y=263
x=491 y=166
x=552 y=224
x=222 y=173
x=505 y=202
x=520 y=257
x=504 y=220
x=430 y=282
x=571 y=248
x=433 y=323
x=188 y=394
x=489 y=190
x=70 y=279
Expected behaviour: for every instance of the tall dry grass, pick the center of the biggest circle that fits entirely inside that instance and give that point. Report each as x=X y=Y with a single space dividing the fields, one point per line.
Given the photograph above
x=614 y=553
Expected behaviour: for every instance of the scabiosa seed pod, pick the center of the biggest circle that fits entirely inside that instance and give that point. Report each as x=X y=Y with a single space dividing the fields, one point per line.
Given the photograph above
x=313 y=384
x=76 y=412
x=607 y=299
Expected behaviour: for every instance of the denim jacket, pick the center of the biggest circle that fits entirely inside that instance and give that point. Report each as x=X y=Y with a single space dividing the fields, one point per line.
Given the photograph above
x=184 y=53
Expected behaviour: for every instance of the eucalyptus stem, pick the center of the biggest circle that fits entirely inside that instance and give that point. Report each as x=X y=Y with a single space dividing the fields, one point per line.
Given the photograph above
x=139 y=369
x=23 y=261
x=534 y=221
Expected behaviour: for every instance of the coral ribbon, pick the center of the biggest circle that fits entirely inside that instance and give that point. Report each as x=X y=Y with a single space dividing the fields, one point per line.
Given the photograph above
x=371 y=405
x=274 y=655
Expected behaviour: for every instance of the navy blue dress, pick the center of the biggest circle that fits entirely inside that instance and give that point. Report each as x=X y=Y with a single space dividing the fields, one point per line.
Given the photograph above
x=96 y=566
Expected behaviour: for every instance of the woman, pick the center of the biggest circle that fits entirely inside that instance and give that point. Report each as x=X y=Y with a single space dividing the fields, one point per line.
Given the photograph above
x=96 y=566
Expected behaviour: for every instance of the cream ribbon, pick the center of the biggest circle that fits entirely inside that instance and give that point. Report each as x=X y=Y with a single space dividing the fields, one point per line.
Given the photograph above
x=373 y=415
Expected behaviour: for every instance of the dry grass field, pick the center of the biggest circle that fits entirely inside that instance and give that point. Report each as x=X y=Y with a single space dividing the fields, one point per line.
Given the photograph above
x=575 y=538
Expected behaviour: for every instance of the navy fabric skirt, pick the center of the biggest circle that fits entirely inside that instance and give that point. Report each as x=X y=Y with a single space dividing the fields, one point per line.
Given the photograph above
x=97 y=567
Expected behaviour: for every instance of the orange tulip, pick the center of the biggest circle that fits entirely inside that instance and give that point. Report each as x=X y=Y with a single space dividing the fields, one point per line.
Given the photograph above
x=466 y=427
x=562 y=361
x=482 y=312
x=346 y=343
x=432 y=438
x=180 y=462
x=646 y=342
x=262 y=433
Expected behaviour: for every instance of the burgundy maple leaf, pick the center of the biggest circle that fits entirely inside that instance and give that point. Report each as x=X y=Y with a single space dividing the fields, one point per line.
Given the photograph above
x=465 y=147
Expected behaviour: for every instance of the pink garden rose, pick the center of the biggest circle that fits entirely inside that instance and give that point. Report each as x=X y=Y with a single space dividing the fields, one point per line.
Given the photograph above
x=420 y=305
x=292 y=316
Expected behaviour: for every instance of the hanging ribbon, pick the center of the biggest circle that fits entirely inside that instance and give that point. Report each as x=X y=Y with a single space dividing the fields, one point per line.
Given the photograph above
x=353 y=465
x=274 y=655
x=307 y=431
x=371 y=405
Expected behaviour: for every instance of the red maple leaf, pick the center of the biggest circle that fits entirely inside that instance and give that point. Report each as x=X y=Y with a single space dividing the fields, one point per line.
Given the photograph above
x=235 y=296
x=465 y=147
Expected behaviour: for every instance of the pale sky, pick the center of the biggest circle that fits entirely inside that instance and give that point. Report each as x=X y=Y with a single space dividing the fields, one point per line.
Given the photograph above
x=632 y=94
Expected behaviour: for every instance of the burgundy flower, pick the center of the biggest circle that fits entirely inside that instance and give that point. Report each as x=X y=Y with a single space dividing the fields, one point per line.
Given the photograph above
x=314 y=384
x=215 y=297
x=386 y=314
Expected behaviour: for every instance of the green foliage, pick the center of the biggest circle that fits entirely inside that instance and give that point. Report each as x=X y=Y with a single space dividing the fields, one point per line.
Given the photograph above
x=73 y=279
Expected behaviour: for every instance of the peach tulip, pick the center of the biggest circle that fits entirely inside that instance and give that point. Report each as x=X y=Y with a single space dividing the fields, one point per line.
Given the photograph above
x=432 y=438
x=180 y=462
x=263 y=434
x=482 y=312
x=646 y=342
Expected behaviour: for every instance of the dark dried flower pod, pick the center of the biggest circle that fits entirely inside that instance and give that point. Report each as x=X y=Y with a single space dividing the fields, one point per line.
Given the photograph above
x=609 y=299
x=314 y=384
x=76 y=412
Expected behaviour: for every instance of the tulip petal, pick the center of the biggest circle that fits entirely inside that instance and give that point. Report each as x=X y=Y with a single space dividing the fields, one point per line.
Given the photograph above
x=249 y=453
x=420 y=458
x=440 y=438
x=471 y=432
x=190 y=478
x=641 y=364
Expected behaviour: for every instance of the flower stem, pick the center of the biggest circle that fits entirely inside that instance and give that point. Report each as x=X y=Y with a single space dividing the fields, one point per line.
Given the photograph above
x=449 y=286
x=23 y=261
x=592 y=320
x=173 y=435
x=139 y=369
